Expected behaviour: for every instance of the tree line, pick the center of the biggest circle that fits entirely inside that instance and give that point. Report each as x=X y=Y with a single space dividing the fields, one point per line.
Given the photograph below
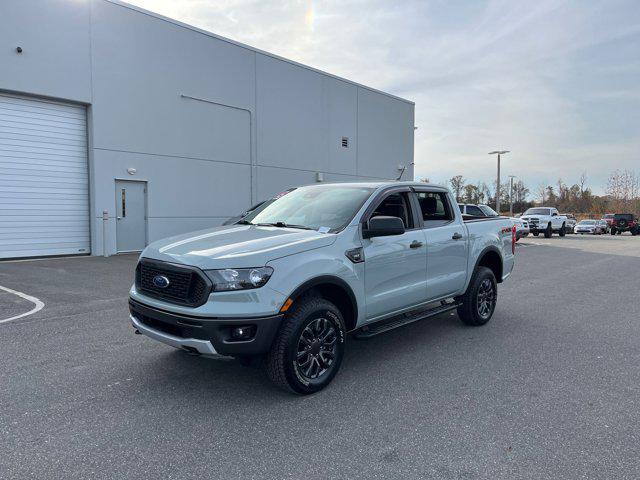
x=622 y=194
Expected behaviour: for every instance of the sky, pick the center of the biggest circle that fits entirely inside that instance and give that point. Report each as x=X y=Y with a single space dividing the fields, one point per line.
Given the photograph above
x=555 y=82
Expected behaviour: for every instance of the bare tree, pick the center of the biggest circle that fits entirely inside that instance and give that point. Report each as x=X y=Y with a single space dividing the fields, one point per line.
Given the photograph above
x=457 y=185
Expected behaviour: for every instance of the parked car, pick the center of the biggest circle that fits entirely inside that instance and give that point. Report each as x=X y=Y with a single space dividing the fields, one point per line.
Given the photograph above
x=522 y=227
x=570 y=223
x=608 y=217
x=588 y=226
x=546 y=220
x=624 y=222
x=470 y=210
x=603 y=225
x=264 y=203
x=288 y=282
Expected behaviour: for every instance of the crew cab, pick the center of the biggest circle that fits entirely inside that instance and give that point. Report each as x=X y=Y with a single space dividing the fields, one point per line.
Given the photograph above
x=285 y=284
x=546 y=220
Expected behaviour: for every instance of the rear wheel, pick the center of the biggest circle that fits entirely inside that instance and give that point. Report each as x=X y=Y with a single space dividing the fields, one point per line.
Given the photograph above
x=563 y=230
x=479 y=301
x=308 y=350
x=548 y=231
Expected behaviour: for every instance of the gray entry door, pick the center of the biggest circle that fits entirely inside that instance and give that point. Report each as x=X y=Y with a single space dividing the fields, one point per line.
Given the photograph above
x=131 y=216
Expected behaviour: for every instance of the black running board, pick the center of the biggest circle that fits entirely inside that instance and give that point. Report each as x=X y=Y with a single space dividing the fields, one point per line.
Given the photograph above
x=368 y=331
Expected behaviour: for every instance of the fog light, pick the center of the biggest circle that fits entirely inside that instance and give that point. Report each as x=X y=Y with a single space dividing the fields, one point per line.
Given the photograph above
x=243 y=333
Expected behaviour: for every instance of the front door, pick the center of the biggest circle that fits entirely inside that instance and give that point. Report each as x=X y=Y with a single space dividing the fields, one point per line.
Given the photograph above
x=131 y=216
x=395 y=266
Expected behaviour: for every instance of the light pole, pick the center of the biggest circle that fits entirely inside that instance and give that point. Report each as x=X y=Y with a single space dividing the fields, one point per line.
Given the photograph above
x=498 y=152
x=511 y=177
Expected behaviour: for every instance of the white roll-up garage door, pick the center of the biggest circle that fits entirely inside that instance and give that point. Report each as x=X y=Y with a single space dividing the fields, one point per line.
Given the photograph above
x=44 y=188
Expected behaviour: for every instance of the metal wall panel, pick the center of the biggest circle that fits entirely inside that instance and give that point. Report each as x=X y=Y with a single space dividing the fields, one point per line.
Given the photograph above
x=44 y=194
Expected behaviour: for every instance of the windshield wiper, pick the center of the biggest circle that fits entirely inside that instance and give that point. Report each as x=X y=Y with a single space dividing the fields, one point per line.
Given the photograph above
x=283 y=225
x=243 y=222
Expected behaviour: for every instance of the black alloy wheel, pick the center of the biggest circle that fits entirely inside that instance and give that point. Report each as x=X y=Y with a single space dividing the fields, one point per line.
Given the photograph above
x=486 y=299
x=317 y=349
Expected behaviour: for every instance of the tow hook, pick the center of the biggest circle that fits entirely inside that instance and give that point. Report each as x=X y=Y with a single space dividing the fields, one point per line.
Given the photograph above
x=137 y=332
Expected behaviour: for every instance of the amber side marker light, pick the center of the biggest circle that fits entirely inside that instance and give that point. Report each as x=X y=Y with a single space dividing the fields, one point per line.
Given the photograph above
x=286 y=305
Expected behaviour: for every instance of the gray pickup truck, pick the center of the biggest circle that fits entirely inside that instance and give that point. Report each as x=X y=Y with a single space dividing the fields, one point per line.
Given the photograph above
x=287 y=283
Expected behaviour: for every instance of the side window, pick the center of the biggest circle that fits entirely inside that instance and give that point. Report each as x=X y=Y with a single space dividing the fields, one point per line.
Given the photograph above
x=434 y=208
x=475 y=211
x=395 y=205
x=461 y=207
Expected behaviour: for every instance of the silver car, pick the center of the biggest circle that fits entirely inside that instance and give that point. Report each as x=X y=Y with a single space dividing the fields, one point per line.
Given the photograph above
x=588 y=226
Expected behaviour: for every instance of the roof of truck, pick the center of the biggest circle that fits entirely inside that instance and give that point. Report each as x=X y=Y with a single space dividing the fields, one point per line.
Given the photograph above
x=387 y=183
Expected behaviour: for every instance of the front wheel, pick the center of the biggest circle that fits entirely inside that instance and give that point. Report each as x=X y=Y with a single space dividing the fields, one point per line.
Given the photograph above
x=308 y=350
x=479 y=301
x=548 y=231
x=563 y=231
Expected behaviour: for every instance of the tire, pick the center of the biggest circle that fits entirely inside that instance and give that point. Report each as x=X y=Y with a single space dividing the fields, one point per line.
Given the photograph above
x=562 y=232
x=289 y=365
x=535 y=234
x=471 y=311
x=548 y=231
x=613 y=231
x=525 y=235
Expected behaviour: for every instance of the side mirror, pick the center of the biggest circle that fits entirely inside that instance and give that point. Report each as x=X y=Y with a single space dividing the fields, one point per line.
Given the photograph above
x=383 y=227
x=554 y=214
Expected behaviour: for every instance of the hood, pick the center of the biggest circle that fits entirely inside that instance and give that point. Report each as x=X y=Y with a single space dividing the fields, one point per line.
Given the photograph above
x=236 y=246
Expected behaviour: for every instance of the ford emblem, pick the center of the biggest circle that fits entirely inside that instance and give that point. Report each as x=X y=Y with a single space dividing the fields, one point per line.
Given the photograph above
x=161 y=281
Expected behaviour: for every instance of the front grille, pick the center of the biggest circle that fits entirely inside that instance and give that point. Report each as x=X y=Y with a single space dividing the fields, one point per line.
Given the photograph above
x=187 y=285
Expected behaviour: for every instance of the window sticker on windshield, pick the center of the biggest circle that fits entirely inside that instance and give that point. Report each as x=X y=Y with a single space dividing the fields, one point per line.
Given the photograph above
x=324 y=229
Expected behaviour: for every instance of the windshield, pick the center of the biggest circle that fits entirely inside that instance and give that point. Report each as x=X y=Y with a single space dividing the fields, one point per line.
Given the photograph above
x=537 y=211
x=488 y=211
x=587 y=222
x=329 y=207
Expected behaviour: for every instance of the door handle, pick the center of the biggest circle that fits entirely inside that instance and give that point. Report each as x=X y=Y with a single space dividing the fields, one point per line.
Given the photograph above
x=118 y=218
x=456 y=236
x=416 y=244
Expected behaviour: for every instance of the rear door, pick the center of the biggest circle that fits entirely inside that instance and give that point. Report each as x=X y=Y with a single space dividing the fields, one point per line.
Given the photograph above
x=446 y=244
x=395 y=266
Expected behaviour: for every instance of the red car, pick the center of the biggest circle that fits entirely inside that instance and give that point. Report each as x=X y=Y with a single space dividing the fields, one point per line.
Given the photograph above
x=608 y=217
x=625 y=222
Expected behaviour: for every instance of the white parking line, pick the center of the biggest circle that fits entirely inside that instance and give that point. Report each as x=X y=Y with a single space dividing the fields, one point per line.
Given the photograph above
x=38 y=305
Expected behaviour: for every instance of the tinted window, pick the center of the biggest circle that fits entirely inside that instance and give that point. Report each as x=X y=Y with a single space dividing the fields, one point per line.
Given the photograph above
x=434 y=206
x=475 y=211
x=461 y=207
x=488 y=211
x=395 y=205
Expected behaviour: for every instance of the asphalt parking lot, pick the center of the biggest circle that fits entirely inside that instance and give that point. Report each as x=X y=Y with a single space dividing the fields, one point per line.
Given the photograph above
x=550 y=388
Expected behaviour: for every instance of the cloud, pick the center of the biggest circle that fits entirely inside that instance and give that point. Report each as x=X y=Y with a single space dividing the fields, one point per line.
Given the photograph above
x=555 y=82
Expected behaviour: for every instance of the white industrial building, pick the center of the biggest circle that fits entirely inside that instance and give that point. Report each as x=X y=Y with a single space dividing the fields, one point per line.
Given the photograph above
x=105 y=107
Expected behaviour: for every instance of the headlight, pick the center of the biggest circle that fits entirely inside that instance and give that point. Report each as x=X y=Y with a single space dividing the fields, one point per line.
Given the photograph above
x=239 y=278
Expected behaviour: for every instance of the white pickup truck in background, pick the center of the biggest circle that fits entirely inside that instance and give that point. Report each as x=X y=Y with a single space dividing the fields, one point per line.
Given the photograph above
x=545 y=220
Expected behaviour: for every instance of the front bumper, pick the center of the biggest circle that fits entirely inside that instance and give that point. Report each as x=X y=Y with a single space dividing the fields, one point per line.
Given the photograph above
x=205 y=336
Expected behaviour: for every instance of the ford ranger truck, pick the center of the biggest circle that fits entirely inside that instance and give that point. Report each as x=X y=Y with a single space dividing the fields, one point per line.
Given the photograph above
x=288 y=282
x=545 y=220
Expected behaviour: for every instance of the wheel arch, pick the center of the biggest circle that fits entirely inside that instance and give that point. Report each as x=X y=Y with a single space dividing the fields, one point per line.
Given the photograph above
x=491 y=258
x=335 y=290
